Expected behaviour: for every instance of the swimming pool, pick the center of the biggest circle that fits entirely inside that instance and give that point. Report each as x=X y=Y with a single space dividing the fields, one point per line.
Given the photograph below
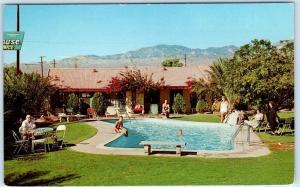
x=197 y=135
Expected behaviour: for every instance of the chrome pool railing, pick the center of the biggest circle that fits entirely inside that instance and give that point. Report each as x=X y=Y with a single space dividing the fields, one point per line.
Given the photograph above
x=239 y=129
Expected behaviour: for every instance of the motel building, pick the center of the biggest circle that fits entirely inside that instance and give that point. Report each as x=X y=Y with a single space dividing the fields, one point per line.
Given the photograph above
x=86 y=81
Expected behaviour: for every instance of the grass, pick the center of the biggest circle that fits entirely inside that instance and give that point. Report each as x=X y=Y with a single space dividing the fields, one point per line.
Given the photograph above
x=201 y=117
x=87 y=169
x=268 y=138
x=286 y=114
x=77 y=132
x=69 y=167
x=216 y=118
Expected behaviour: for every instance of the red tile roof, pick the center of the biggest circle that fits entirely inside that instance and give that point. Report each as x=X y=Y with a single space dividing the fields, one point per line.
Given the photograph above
x=97 y=79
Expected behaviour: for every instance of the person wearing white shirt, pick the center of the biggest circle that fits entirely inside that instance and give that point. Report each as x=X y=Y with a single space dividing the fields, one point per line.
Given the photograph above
x=27 y=127
x=258 y=118
x=224 y=108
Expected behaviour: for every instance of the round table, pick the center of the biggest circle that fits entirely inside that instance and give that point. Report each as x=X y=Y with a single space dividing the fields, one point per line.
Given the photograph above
x=43 y=130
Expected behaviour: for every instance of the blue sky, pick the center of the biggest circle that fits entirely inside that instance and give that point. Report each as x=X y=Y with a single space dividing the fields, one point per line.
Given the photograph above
x=60 y=31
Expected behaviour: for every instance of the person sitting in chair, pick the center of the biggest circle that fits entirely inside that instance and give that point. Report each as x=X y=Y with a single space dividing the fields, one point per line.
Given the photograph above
x=27 y=128
x=258 y=118
x=166 y=109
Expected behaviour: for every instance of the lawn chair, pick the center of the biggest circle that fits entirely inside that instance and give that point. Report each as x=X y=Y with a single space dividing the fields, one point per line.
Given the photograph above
x=121 y=112
x=60 y=136
x=111 y=111
x=38 y=141
x=19 y=144
x=286 y=126
x=263 y=125
x=91 y=113
x=129 y=111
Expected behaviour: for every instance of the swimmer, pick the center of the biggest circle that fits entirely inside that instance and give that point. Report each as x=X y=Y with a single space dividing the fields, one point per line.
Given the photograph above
x=180 y=132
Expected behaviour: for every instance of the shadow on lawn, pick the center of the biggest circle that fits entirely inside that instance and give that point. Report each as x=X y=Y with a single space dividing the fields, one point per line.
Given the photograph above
x=30 y=157
x=30 y=178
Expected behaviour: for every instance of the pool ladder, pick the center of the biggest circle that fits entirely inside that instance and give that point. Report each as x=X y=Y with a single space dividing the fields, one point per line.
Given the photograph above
x=240 y=130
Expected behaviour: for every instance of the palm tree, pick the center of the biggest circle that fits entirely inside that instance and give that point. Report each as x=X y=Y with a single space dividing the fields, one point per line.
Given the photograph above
x=216 y=74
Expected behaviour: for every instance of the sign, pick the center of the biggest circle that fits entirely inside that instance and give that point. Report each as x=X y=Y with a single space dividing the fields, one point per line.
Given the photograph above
x=12 y=40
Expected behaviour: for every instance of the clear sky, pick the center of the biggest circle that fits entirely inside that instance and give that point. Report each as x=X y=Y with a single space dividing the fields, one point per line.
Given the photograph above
x=60 y=31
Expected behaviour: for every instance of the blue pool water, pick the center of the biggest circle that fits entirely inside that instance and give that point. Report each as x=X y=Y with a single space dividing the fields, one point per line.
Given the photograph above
x=197 y=135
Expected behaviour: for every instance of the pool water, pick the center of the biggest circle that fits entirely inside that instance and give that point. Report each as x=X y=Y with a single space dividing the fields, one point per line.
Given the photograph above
x=197 y=135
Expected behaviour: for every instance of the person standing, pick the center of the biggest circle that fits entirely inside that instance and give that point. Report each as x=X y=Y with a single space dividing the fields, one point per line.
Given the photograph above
x=224 y=106
x=166 y=109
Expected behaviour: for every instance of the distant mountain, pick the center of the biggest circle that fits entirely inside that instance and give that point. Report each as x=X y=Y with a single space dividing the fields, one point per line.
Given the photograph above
x=151 y=56
x=147 y=56
x=161 y=51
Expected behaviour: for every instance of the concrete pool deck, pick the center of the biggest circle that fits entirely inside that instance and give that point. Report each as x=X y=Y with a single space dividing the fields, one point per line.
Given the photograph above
x=105 y=134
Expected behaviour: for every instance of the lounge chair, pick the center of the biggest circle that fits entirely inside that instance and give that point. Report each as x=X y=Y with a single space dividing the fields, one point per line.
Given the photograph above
x=111 y=111
x=70 y=111
x=286 y=127
x=262 y=126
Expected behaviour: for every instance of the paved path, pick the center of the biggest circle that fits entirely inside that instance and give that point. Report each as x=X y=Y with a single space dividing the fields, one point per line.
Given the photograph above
x=105 y=134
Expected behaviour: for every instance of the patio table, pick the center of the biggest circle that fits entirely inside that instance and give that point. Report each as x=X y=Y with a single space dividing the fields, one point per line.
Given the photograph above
x=44 y=132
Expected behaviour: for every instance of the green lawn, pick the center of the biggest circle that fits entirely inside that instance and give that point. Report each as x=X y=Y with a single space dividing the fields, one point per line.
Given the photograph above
x=69 y=167
x=76 y=132
x=201 y=117
x=216 y=118
x=286 y=114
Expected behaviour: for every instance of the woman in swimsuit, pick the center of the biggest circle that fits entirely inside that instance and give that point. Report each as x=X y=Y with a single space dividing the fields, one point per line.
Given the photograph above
x=119 y=125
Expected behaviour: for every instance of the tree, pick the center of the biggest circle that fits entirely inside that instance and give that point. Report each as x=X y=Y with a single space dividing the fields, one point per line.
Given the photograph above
x=99 y=103
x=23 y=94
x=133 y=80
x=212 y=87
x=260 y=73
x=179 y=104
x=172 y=62
x=73 y=102
x=217 y=77
x=205 y=89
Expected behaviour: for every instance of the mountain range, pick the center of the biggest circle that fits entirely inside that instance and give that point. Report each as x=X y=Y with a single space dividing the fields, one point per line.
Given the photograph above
x=147 y=56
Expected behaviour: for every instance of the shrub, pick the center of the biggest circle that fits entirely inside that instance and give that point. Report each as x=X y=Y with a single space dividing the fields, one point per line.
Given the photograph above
x=73 y=102
x=99 y=103
x=202 y=106
x=179 y=104
x=216 y=106
x=174 y=62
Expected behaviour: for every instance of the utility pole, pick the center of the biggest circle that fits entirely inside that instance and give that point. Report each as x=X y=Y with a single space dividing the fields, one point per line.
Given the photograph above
x=42 y=69
x=54 y=63
x=18 y=51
